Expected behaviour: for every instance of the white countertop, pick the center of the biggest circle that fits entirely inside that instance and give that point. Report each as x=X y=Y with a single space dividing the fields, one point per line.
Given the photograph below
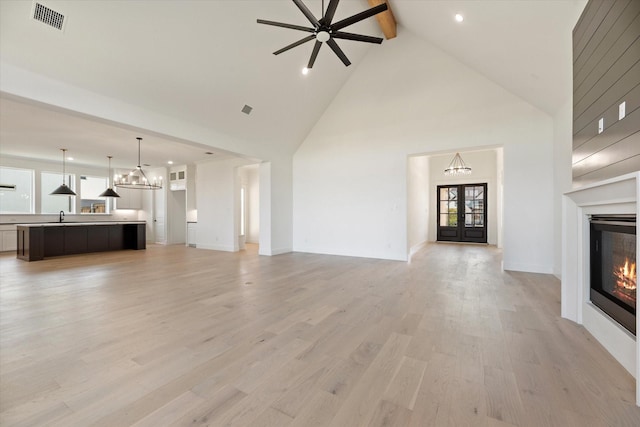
x=71 y=223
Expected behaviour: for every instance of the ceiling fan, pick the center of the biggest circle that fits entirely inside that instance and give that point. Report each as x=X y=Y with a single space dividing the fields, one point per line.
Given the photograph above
x=326 y=31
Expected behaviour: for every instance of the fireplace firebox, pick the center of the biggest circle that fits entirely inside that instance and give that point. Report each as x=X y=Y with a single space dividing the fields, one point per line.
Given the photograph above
x=613 y=267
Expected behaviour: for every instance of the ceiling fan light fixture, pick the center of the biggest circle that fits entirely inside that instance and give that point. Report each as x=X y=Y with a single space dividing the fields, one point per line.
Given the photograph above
x=323 y=36
x=305 y=71
x=324 y=30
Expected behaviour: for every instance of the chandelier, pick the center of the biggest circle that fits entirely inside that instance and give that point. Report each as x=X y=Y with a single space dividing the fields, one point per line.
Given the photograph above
x=457 y=167
x=137 y=179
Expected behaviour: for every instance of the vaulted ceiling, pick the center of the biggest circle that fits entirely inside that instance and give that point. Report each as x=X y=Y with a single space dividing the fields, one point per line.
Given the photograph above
x=202 y=61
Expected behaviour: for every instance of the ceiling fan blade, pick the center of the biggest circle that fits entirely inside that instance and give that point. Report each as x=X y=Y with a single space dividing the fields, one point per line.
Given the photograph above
x=331 y=10
x=359 y=16
x=314 y=54
x=307 y=12
x=283 y=25
x=334 y=46
x=356 y=37
x=292 y=45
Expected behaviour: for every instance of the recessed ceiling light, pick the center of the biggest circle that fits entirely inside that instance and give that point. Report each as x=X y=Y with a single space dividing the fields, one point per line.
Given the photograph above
x=70 y=158
x=305 y=71
x=170 y=162
x=459 y=18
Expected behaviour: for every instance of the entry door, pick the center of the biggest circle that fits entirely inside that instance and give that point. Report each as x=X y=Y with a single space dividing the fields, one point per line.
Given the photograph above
x=159 y=209
x=462 y=213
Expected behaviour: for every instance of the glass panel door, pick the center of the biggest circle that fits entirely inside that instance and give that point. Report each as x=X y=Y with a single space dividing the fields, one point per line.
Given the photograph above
x=462 y=215
x=474 y=206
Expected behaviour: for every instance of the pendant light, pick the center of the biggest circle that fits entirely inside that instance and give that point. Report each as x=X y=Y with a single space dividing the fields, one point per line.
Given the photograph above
x=137 y=179
x=109 y=192
x=457 y=167
x=63 y=190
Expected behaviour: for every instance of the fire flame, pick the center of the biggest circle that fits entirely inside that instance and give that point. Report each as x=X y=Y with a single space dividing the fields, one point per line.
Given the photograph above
x=627 y=275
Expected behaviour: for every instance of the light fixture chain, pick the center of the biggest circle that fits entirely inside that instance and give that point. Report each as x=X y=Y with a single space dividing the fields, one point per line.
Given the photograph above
x=64 y=151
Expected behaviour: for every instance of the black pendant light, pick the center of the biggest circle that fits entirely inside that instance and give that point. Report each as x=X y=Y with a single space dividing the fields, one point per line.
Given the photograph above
x=63 y=190
x=109 y=192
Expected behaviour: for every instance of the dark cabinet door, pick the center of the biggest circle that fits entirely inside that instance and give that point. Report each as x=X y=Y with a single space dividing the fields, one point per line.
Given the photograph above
x=462 y=213
x=53 y=241
x=75 y=239
x=116 y=240
x=98 y=238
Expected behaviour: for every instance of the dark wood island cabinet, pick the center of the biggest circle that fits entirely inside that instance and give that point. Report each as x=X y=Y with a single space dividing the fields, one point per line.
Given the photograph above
x=39 y=241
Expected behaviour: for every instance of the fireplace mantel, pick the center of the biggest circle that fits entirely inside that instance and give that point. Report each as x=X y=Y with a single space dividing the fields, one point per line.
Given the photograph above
x=614 y=196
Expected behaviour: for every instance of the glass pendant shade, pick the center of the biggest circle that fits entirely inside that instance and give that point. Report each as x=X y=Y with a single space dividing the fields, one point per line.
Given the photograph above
x=109 y=192
x=137 y=179
x=64 y=189
x=457 y=167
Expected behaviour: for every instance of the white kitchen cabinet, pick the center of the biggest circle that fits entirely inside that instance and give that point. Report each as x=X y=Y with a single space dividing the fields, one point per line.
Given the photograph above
x=191 y=234
x=178 y=178
x=9 y=236
x=129 y=198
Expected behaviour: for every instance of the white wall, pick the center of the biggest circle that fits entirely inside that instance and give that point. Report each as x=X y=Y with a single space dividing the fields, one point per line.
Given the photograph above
x=192 y=204
x=500 y=195
x=264 y=176
x=154 y=207
x=217 y=195
x=483 y=170
x=176 y=217
x=418 y=202
x=407 y=97
x=249 y=179
x=562 y=178
x=562 y=152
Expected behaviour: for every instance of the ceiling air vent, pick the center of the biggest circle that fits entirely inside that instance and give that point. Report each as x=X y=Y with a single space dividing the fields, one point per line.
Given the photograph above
x=247 y=109
x=48 y=16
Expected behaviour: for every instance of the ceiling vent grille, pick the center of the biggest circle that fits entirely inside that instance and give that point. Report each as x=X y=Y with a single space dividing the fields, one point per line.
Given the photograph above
x=48 y=16
x=247 y=109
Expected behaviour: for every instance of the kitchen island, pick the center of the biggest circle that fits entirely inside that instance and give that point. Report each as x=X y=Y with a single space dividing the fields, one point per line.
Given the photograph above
x=43 y=240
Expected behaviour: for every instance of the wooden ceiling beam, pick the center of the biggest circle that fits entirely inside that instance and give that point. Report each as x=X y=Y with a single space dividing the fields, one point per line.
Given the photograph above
x=386 y=20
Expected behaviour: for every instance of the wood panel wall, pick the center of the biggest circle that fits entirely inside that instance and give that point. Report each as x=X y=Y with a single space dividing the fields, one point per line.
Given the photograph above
x=606 y=72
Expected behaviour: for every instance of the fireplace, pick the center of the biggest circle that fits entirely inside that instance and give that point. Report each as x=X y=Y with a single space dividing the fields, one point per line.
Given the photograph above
x=613 y=267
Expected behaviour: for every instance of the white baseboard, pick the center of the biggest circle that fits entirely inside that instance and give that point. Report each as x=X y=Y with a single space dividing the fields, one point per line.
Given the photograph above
x=415 y=248
x=528 y=268
x=224 y=248
x=273 y=252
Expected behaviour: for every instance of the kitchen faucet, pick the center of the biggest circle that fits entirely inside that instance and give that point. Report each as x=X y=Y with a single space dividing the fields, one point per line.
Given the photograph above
x=61 y=216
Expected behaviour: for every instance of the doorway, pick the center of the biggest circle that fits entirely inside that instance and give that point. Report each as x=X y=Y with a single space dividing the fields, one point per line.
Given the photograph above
x=248 y=205
x=462 y=213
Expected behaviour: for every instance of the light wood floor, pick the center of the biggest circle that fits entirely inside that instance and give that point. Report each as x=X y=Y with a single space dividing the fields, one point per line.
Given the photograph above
x=182 y=337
